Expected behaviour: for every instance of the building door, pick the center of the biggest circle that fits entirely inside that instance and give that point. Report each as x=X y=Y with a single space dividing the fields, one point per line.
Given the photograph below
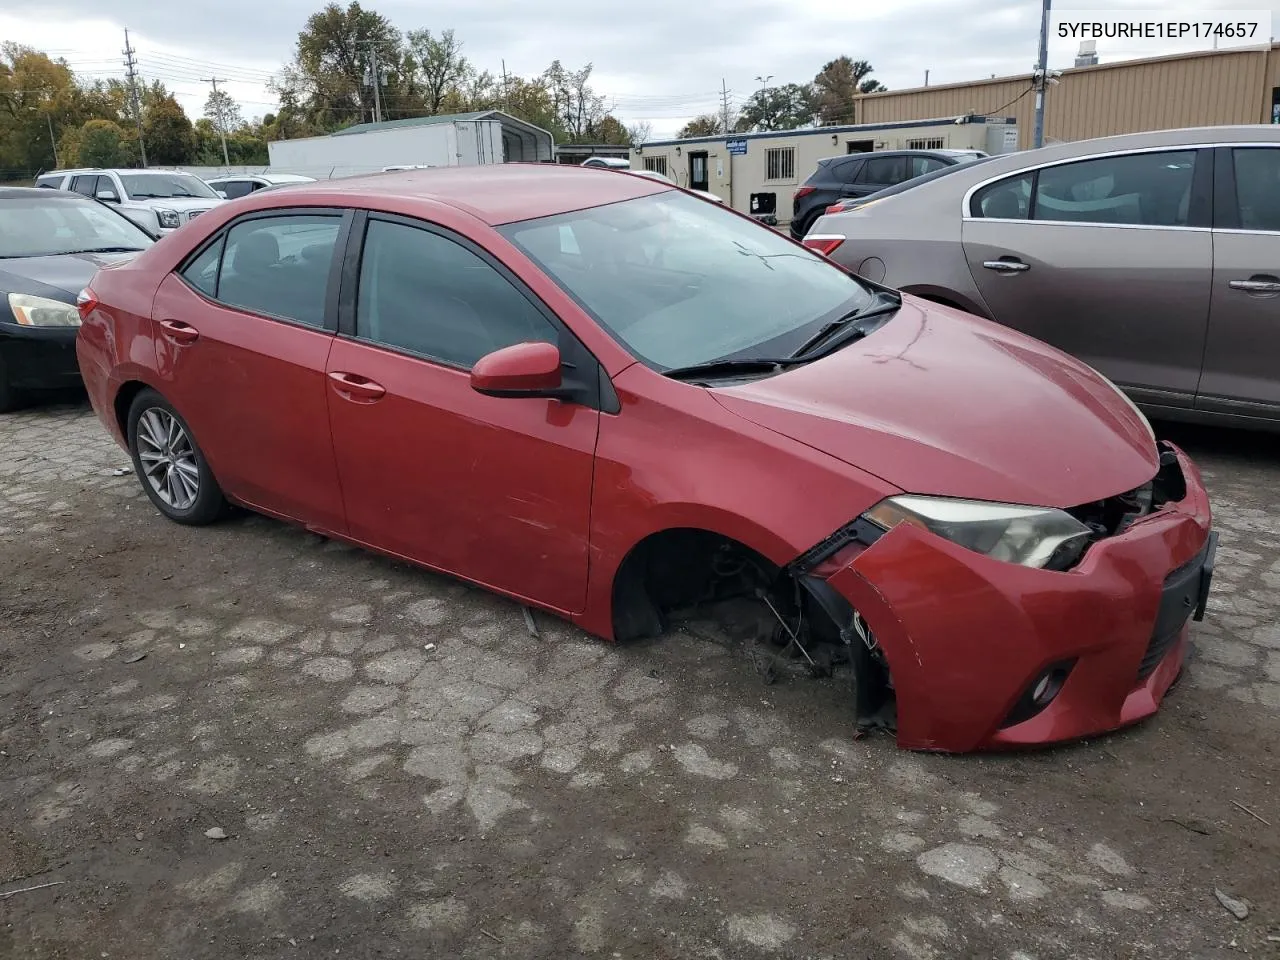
x=860 y=146
x=698 y=179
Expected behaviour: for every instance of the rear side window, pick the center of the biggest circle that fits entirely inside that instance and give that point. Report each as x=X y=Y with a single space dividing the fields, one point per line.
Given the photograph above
x=1005 y=199
x=1257 y=172
x=919 y=166
x=86 y=185
x=277 y=266
x=886 y=170
x=235 y=188
x=51 y=183
x=428 y=295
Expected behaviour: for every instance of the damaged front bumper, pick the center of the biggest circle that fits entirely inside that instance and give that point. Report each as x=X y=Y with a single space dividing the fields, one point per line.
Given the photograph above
x=986 y=654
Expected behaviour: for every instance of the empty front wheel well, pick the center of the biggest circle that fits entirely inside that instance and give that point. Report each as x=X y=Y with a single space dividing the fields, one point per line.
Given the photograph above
x=682 y=568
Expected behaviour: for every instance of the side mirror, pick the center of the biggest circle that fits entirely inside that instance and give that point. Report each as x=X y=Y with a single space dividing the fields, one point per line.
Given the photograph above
x=108 y=196
x=520 y=370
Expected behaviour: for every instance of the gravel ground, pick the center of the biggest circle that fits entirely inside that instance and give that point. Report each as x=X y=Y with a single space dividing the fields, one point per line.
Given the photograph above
x=244 y=741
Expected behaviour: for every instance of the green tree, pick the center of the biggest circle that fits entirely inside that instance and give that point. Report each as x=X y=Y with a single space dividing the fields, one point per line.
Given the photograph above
x=221 y=109
x=102 y=144
x=576 y=107
x=609 y=129
x=786 y=107
x=169 y=135
x=837 y=84
x=332 y=62
x=706 y=125
x=438 y=66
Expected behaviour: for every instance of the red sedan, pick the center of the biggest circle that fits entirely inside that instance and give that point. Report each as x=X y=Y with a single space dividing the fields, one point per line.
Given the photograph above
x=612 y=400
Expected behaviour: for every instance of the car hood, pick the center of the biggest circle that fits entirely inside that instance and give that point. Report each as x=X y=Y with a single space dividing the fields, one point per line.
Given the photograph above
x=180 y=203
x=938 y=402
x=50 y=276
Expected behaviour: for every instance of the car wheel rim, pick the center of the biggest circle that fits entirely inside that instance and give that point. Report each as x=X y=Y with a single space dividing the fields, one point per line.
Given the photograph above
x=168 y=459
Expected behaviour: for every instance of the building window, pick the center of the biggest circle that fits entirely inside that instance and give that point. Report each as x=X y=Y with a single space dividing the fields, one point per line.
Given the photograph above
x=780 y=163
x=656 y=165
x=933 y=143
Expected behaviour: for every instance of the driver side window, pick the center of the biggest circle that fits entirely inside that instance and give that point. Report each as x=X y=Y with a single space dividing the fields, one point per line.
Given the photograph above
x=422 y=293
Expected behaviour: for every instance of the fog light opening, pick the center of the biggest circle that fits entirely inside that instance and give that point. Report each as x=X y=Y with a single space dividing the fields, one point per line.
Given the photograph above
x=1041 y=692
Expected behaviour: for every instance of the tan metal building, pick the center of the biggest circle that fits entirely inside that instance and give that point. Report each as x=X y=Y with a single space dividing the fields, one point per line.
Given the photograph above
x=758 y=173
x=1210 y=87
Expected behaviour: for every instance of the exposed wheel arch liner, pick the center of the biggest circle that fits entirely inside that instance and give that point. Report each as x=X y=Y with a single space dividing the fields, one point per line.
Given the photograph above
x=946 y=298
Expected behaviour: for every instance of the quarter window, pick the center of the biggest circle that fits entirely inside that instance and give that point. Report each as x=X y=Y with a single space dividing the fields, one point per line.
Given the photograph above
x=277 y=266
x=1151 y=189
x=1258 y=187
x=1005 y=200
x=425 y=294
x=780 y=163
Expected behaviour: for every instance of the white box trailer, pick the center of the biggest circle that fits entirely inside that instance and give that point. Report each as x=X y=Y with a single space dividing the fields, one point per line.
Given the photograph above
x=453 y=140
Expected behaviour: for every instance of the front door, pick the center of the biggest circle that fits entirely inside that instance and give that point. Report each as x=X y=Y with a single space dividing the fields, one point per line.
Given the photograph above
x=1240 y=371
x=495 y=490
x=698 y=176
x=1106 y=259
x=243 y=335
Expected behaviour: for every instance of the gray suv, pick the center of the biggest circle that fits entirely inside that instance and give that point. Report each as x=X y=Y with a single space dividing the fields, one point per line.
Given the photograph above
x=1153 y=257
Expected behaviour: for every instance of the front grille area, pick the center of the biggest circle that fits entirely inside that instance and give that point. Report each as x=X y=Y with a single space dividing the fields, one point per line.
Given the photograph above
x=1156 y=651
x=193 y=214
x=1177 y=604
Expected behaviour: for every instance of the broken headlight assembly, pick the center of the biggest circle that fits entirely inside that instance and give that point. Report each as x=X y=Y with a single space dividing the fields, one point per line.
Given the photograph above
x=1040 y=537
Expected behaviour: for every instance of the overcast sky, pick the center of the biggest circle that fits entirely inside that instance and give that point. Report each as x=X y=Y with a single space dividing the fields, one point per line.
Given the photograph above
x=663 y=68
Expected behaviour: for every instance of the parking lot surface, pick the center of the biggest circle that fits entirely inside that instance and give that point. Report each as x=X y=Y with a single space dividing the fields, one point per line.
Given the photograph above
x=244 y=741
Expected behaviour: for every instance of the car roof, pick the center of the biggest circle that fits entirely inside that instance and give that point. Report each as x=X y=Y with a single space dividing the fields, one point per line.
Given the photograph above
x=55 y=196
x=495 y=193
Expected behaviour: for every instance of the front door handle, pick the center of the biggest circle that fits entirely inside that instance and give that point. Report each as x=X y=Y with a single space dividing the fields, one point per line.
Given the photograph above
x=1258 y=283
x=1009 y=265
x=352 y=386
x=179 y=332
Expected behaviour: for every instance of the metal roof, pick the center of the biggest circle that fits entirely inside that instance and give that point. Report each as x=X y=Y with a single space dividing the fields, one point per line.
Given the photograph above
x=826 y=131
x=416 y=122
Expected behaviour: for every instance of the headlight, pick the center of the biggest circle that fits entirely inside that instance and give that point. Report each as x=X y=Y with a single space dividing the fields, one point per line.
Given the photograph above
x=169 y=219
x=1030 y=536
x=41 y=312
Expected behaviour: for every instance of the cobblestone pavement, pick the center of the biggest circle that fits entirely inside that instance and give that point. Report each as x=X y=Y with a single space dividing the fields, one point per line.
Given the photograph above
x=392 y=766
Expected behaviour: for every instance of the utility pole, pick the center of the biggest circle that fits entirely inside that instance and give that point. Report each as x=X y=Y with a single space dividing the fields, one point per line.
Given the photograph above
x=1042 y=73
x=926 y=78
x=506 y=96
x=724 y=106
x=53 y=142
x=374 y=77
x=222 y=120
x=131 y=74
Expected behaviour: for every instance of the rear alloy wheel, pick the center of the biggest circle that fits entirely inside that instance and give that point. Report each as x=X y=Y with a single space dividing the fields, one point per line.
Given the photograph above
x=169 y=464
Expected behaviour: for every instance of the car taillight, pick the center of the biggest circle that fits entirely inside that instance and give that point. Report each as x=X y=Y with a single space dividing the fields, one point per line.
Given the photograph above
x=823 y=243
x=86 y=302
x=835 y=208
x=804 y=192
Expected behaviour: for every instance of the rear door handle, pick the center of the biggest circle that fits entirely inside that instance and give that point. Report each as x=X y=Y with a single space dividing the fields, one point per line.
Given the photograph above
x=1257 y=284
x=1006 y=266
x=352 y=386
x=179 y=332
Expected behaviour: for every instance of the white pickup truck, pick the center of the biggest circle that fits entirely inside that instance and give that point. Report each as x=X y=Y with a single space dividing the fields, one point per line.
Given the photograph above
x=157 y=200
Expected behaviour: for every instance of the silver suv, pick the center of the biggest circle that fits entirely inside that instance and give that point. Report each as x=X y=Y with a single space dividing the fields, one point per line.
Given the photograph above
x=157 y=200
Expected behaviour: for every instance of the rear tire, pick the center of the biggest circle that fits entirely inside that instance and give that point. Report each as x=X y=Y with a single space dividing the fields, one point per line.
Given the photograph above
x=169 y=463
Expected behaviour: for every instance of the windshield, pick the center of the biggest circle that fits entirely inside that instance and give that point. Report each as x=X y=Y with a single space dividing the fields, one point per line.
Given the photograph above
x=43 y=227
x=680 y=281
x=150 y=186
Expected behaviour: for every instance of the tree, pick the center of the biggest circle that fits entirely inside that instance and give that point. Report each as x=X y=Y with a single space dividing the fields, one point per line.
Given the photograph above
x=438 y=66
x=787 y=107
x=169 y=135
x=332 y=61
x=102 y=144
x=707 y=125
x=576 y=106
x=639 y=133
x=609 y=129
x=222 y=110
x=837 y=84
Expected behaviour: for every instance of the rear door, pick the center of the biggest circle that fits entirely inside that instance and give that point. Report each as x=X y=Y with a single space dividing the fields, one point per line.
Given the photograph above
x=1241 y=375
x=1107 y=258
x=878 y=172
x=244 y=330
x=495 y=490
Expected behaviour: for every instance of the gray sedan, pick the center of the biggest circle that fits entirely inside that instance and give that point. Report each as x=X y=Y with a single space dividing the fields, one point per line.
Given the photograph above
x=1153 y=257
